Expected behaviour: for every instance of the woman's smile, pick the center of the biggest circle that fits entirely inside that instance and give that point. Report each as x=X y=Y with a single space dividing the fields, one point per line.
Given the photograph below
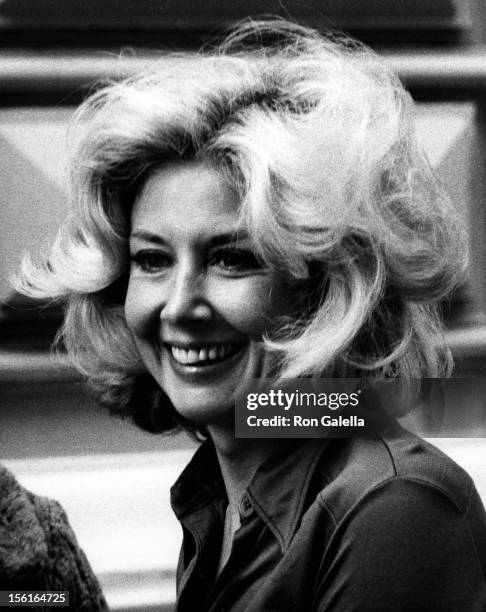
x=204 y=363
x=199 y=300
x=200 y=356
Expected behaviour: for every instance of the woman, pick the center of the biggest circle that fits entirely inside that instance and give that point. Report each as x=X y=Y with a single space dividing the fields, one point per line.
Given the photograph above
x=263 y=210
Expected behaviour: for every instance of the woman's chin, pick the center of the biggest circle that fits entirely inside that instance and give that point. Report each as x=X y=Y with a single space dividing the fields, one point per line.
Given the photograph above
x=209 y=399
x=206 y=405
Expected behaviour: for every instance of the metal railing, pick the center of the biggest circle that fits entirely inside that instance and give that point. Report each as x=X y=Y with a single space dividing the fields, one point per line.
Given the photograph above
x=444 y=74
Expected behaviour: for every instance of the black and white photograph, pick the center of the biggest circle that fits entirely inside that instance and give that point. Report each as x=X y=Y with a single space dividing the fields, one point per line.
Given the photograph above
x=243 y=305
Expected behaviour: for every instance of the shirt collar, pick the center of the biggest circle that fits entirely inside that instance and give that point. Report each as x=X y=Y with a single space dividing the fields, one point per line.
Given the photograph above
x=277 y=491
x=199 y=483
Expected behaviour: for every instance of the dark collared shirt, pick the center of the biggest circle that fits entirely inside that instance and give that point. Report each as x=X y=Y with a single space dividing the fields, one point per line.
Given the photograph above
x=337 y=525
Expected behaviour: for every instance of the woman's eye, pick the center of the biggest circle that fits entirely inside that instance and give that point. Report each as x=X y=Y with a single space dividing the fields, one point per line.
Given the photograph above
x=235 y=260
x=150 y=261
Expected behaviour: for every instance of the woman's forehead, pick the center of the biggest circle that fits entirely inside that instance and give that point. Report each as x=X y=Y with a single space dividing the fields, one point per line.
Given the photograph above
x=186 y=197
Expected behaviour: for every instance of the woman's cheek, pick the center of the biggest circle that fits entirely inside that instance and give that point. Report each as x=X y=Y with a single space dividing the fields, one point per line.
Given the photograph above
x=249 y=305
x=138 y=307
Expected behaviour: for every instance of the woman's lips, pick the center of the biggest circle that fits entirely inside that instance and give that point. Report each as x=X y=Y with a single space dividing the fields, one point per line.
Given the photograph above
x=203 y=355
x=205 y=361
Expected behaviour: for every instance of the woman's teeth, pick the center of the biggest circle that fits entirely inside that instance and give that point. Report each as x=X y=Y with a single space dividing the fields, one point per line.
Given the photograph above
x=208 y=354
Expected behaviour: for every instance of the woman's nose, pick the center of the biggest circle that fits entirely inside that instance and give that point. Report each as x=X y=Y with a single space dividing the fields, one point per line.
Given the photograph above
x=186 y=300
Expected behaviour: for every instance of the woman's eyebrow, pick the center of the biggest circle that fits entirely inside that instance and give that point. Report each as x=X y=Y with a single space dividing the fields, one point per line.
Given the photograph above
x=228 y=238
x=148 y=237
x=212 y=241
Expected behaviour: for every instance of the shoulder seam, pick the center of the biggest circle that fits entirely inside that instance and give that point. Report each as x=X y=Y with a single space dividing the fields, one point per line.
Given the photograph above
x=432 y=485
x=326 y=508
x=390 y=454
x=383 y=483
x=470 y=496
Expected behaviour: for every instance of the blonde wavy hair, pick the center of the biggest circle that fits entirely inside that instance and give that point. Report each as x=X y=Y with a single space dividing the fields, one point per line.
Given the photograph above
x=317 y=136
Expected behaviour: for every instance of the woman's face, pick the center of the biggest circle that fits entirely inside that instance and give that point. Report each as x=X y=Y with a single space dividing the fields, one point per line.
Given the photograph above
x=198 y=300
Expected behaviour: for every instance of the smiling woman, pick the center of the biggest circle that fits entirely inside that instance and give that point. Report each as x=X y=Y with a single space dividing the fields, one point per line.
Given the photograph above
x=199 y=301
x=263 y=210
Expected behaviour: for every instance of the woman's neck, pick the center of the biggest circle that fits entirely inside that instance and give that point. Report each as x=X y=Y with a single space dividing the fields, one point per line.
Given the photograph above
x=239 y=459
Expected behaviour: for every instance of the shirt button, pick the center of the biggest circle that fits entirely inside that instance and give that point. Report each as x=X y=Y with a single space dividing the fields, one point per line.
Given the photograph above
x=246 y=507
